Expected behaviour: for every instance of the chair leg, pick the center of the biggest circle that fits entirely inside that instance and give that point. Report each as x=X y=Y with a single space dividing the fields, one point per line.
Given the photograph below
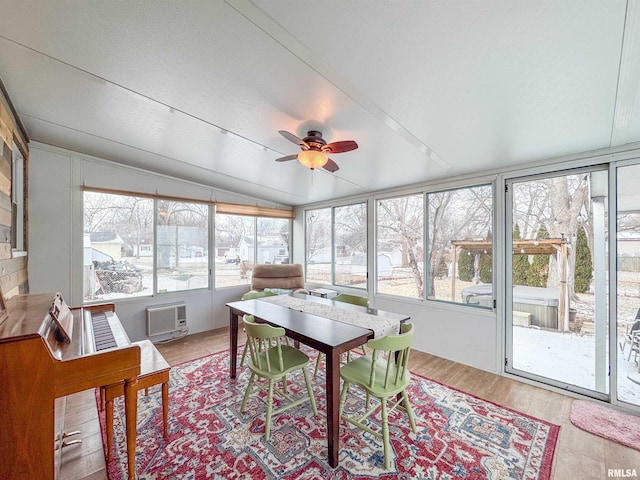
x=244 y=354
x=407 y=407
x=267 y=432
x=246 y=392
x=312 y=398
x=385 y=433
x=343 y=397
x=315 y=371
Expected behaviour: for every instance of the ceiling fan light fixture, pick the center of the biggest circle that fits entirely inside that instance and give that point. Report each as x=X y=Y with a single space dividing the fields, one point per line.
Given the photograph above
x=313 y=159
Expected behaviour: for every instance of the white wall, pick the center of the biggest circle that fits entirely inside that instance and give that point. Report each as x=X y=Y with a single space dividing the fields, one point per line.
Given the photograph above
x=56 y=178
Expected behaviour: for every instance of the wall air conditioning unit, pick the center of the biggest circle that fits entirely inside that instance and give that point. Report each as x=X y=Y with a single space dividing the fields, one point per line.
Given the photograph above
x=166 y=318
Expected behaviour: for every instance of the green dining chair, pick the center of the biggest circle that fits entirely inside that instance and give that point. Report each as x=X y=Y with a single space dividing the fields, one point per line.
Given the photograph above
x=353 y=300
x=271 y=360
x=383 y=374
x=251 y=296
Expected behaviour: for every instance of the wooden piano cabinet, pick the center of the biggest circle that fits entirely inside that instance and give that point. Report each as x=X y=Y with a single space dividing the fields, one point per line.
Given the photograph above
x=58 y=428
x=26 y=411
x=35 y=370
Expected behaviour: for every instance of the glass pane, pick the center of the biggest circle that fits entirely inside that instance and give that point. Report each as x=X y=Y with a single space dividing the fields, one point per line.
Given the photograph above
x=318 y=245
x=461 y=246
x=234 y=249
x=559 y=309
x=350 y=234
x=182 y=237
x=400 y=251
x=628 y=308
x=273 y=240
x=118 y=246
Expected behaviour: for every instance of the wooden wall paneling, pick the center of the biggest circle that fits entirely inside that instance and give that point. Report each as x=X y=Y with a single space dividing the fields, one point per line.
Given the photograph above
x=14 y=265
x=13 y=272
x=5 y=235
x=6 y=124
x=5 y=252
x=5 y=176
x=12 y=282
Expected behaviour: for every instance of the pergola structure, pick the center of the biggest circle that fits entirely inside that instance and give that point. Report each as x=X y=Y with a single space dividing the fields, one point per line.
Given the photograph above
x=547 y=246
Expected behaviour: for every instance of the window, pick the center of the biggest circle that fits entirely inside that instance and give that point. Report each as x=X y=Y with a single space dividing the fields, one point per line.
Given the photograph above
x=122 y=256
x=234 y=257
x=400 y=246
x=182 y=238
x=350 y=245
x=242 y=241
x=318 y=245
x=460 y=243
x=17 y=200
x=458 y=246
x=336 y=245
x=273 y=240
x=115 y=229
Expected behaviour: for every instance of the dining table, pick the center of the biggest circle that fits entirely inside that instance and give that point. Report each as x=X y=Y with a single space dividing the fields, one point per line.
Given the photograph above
x=332 y=328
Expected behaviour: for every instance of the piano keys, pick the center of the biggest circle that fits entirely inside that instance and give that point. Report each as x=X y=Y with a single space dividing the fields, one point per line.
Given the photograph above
x=38 y=369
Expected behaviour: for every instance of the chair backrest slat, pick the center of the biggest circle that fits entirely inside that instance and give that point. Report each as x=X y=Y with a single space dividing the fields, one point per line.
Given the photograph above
x=262 y=338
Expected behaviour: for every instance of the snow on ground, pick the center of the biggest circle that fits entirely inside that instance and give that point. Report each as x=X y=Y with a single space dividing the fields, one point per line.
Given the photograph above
x=569 y=358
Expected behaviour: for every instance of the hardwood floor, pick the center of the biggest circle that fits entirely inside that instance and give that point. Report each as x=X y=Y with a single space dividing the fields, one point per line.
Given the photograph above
x=579 y=455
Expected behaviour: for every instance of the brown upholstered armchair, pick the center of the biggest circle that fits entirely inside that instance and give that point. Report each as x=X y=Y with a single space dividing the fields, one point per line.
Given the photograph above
x=286 y=277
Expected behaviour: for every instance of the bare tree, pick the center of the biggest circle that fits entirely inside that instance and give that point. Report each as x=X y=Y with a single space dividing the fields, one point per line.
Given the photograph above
x=402 y=218
x=318 y=230
x=351 y=227
x=463 y=214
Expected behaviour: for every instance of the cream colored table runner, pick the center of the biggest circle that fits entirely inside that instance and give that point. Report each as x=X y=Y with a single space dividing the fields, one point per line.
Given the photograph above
x=380 y=326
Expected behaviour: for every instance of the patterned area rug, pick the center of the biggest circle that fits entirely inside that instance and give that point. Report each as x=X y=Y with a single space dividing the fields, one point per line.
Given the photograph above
x=606 y=422
x=459 y=436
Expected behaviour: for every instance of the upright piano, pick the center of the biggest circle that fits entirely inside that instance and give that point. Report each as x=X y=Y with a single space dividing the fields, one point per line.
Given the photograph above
x=48 y=351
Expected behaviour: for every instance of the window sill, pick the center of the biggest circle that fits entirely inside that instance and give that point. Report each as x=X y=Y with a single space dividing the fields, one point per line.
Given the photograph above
x=18 y=253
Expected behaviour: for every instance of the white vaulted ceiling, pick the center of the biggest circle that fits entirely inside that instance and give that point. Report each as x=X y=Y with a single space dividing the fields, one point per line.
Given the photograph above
x=428 y=89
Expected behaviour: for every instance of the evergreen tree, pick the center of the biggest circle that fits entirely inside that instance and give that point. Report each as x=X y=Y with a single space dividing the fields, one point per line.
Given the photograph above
x=465 y=266
x=520 y=263
x=583 y=272
x=539 y=269
x=485 y=264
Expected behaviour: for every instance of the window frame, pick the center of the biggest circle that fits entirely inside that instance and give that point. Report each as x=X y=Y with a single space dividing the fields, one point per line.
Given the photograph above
x=427 y=278
x=332 y=247
x=254 y=229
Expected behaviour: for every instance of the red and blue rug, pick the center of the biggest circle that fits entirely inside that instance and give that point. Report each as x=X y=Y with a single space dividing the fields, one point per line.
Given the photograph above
x=459 y=435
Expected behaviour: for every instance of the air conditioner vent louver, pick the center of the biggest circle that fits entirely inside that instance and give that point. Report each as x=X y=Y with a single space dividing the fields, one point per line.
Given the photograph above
x=166 y=318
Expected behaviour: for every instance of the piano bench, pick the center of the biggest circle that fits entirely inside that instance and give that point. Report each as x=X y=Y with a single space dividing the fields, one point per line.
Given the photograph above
x=154 y=370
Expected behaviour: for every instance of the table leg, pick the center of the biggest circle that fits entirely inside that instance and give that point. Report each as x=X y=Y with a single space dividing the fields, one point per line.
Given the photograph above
x=333 y=406
x=131 y=412
x=233 y=343
x=165 y=409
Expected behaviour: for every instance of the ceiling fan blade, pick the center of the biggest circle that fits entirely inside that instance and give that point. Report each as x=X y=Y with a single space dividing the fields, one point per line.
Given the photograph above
x=287 y=158
x=292 y=138
x=331 y=166
x=339 y=147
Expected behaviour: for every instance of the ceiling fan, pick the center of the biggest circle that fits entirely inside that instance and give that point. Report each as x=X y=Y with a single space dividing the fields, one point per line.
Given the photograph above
x=315 y=150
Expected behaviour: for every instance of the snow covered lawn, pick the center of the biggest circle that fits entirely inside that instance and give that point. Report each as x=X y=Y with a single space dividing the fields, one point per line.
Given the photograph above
x=568 y=357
